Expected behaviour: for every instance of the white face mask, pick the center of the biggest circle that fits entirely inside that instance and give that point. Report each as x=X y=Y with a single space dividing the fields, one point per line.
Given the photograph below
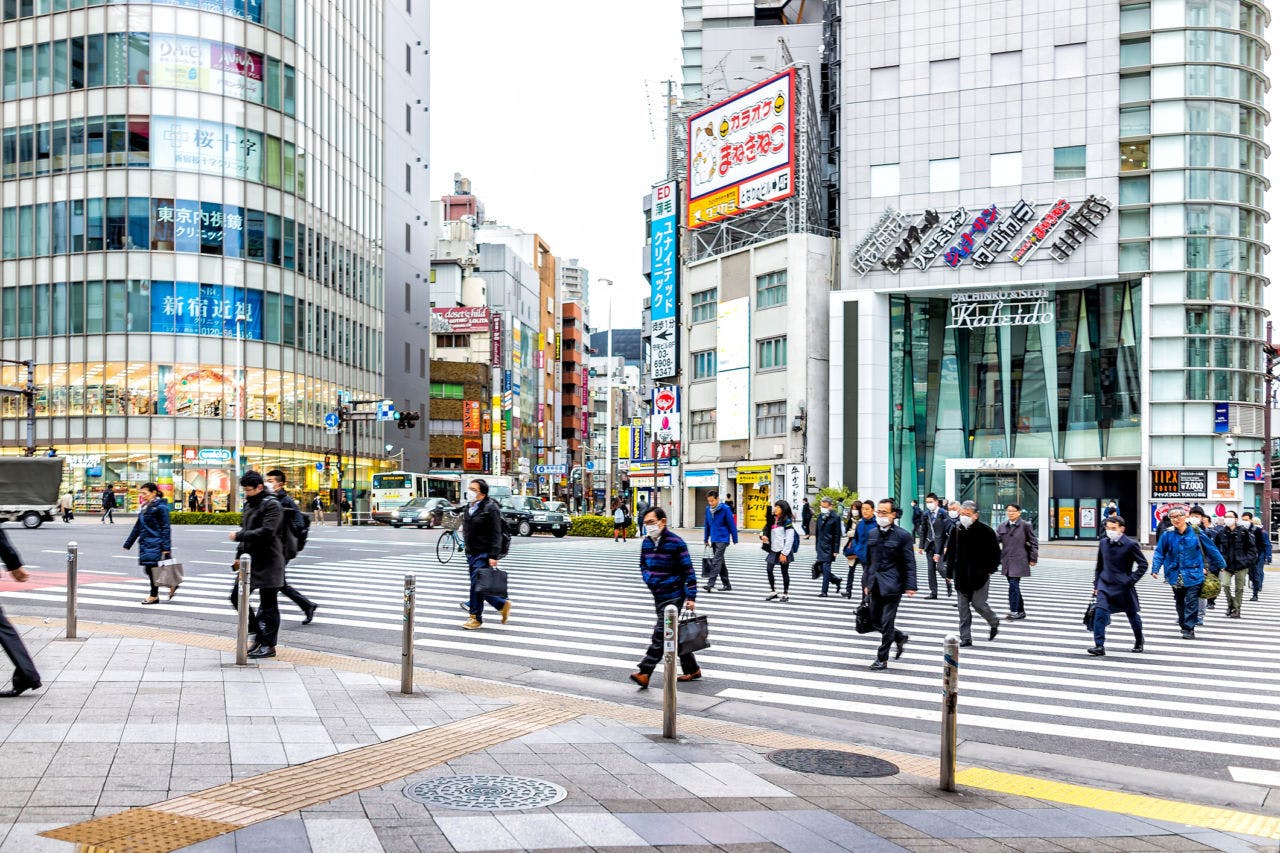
x=1114 y=535
x=1244 y=522
x=469 y=496
x=953 y=513
x=884 y=520
x=931 y=506
x=1230 y=522
x=966 y=520
x=653 y=531
x=824 y=510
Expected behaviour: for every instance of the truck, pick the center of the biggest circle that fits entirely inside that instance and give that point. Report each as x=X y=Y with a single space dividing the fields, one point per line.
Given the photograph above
x=29 y=489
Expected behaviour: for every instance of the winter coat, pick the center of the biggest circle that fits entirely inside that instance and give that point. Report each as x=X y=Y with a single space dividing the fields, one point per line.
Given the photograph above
x=667 y=568
x=482 y=530
x=973 y=555
x=858 y=544
x=891 y=562
x=151 y=532
x=1263 y=544
x=783 y=538
x=1183 y=556
x=1018 y=548
x=109 y=500
x=260 y=537
x=827 y=540
x=293 y=528
x=937 y=528
x=718 y=525
x=1119 y=567
x=1238 y=547
x=806 y=517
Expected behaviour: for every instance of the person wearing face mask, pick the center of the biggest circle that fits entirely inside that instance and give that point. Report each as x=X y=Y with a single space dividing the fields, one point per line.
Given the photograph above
x=781 y=543
x=483 y=533
x=667 y=570
x=917 y=521
x=294 y=538
x=856 y=548
x=1185 y=554
x=259 y=537
x=1119 y=567
x=1019 y=552
x=889 y=575
x=1262 y=542
x=1241 y=553
x=1200 y=521
x=718 y=530
x=937 y=528
x=826 y=543
x=973 y=556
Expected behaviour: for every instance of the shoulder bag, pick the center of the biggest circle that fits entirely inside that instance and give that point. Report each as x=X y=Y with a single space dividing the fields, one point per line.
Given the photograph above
x=692 y=634
x=862 y=621
x=1212 y=586
x=491 y=580
x=167 y=573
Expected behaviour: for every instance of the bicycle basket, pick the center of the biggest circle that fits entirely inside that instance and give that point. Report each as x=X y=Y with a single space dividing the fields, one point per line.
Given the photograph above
x=452 y=521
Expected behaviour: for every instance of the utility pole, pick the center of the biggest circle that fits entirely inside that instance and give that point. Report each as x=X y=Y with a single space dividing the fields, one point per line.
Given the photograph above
x=341 y=422
x=28 y=392
x=1271 y=356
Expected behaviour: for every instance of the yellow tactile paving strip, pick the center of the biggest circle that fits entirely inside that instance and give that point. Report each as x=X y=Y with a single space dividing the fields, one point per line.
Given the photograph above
x=1191 y=814
x=1137 y=805
x=177 y=823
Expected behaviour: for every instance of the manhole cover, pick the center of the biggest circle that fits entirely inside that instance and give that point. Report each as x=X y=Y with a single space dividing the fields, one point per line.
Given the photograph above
x=832 y=762
x=485 y=793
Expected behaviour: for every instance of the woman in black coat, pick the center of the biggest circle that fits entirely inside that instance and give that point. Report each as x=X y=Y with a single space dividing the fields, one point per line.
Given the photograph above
x=152 y=533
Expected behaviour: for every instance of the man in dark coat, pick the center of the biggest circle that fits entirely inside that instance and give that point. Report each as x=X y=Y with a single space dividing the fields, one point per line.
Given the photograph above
x=25 y=676
x=667 y=570
x=1019 y=552
x=1120 y=566
x=890 y=574
x=259 y=537
x=1262 y=541
x=917 y=520
x=827 y=543
x=937 y=527
x=1240 y=550
x=482 y=534
x=972 y=557
x=806 y=519
x=294 y=534
x=109 y=505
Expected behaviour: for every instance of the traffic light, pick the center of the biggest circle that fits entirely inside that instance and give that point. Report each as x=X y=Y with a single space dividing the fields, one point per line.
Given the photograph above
x=1233 y=466
x=407 y=420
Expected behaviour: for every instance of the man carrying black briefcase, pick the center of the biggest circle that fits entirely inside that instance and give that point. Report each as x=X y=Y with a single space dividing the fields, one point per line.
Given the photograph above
x=668 y=571
x=486 y=539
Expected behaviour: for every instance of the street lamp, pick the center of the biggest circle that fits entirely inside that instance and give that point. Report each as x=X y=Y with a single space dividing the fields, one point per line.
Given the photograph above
x=608 y=393
x=240 y=399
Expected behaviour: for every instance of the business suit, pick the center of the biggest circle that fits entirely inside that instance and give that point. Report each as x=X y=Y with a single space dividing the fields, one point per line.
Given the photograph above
x=890 y=574
x=972 y=556
x=25 y=676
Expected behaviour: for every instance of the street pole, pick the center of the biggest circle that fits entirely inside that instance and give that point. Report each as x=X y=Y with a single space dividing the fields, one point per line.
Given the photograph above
x=670 y=637
x=242 y=610
x=1266 y=437
x=240 y=401
x=342 y=422
x=608 y=391
x=73 y=568
x=406 y=646
x=950 y=677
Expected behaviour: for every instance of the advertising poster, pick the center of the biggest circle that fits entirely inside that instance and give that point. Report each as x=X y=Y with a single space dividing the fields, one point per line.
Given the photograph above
x=199 y=65
x=663 y=280
x=742 y=151
x=188 y=308
x=471 y=417
x=472 y=455
x=209 y=147
x=459 y=320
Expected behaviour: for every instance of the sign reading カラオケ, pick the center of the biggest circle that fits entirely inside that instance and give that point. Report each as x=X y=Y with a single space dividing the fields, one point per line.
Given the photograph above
x=742 y=151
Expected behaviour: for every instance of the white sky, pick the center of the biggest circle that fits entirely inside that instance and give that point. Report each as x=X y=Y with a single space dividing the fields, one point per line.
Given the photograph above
x=554 y=110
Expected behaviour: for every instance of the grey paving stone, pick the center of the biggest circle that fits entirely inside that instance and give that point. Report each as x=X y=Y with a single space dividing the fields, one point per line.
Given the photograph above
x=661 y=829
x=720 y=827
x=934 y=823
x=476 y=833
x=787 y=834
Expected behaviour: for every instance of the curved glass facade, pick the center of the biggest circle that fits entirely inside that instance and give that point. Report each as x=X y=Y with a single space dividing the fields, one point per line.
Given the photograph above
x=191 y=234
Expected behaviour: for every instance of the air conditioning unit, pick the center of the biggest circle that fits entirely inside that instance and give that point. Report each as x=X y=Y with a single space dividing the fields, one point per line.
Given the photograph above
x=779 y=449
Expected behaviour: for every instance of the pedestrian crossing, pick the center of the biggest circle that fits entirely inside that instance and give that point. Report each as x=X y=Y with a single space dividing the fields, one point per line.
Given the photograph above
x=580 y=606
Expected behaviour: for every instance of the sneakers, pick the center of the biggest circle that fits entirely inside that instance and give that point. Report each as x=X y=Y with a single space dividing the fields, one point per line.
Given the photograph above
x=878 y=665
x=506 y=611
x=696 y=675
x=1097 y=651
x=472 y=624
x=1188 y=635
x=1253 y=597
x=1014 y=617
x=773 y=596
x=641 y=678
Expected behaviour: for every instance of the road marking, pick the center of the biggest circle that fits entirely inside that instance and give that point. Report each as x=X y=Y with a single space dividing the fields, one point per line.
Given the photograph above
x=1270 y=778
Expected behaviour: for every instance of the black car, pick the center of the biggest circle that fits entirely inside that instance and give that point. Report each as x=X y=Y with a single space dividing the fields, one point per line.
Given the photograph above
x=420 y=512
x=534 y=516
x=519 y=521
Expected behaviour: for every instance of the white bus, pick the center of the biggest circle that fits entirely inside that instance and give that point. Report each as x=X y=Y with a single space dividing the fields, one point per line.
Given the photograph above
x=393 y=489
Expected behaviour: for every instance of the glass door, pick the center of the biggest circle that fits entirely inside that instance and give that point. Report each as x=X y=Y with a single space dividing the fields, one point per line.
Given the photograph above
x=992 y=491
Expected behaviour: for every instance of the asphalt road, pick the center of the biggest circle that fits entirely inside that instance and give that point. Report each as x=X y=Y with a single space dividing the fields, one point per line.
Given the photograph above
x=1205 y=710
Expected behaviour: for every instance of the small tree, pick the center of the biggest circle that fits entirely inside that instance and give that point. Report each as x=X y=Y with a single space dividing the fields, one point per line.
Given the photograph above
x=839 y=494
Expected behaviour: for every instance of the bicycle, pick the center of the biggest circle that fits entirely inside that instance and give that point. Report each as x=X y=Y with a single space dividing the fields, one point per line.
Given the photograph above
x=450 y=541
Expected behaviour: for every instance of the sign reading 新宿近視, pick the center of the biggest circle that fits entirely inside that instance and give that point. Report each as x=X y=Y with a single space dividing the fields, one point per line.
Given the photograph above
x=189 y=308
x=741 y=151
x=663 y=280
x=1000 y=308
x=1180 y=483
x=459 y=320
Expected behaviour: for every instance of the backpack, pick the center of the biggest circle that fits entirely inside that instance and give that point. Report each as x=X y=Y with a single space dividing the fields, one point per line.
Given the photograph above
x=505 y=547
x=302 y=531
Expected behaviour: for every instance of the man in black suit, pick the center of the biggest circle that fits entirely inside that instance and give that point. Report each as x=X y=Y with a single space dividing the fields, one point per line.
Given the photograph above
x=890 y=573
x=972 y=556
x=25 y=676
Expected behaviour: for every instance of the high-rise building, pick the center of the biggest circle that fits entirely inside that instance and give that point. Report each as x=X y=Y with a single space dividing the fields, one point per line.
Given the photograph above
x=204 y=217
x=1052 y=288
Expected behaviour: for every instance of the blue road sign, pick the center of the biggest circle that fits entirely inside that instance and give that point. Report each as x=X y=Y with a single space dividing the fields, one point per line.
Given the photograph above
x=386 y=411
x=331 y=420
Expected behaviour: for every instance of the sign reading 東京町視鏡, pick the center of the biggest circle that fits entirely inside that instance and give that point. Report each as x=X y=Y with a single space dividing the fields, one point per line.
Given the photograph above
x=1000 y=308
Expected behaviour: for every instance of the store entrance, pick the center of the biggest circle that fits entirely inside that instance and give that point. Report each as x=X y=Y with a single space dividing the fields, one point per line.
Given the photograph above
x=206 y=490
x=992 y=491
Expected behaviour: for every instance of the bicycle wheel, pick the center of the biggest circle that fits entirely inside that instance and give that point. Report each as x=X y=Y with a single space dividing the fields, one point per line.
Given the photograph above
x=446 y=546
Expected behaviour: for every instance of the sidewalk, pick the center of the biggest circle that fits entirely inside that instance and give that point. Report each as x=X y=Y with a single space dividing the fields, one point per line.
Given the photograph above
x=148 y=739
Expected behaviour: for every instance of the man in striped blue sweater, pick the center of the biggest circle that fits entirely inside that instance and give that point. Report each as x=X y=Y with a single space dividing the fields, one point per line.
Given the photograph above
x=668 y=571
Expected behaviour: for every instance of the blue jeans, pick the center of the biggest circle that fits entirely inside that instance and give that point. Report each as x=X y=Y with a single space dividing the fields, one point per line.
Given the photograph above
x=1015 y=595
x=1127 y=603
x=1186 y=600
x=476 y=602
x=827 y=577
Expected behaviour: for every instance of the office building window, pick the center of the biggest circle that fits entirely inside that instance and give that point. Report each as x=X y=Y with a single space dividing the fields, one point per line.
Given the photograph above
x=1006 y=168
x=944 y=175
x=771 y=418
x=1069 y=162
x=446 y=390
x=1135 y=52
x=1069 y=61
x=704 y=305
x=771 y=289
x=885 y=179
x=448 y=341
x=704 y=364
x=1006 y=68
x=944 y=75
x=702 y=424
x=408 y=299
x=884 y=82
x=771 y=353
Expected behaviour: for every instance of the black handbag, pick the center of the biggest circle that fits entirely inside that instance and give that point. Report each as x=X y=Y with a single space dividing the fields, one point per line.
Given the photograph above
x=862 y=622
x=491 y=580
x=1089 y=612
x=817 y=570
x=692 y=636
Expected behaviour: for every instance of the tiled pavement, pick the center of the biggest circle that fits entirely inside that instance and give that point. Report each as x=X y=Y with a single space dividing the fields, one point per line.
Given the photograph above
x=125 y=722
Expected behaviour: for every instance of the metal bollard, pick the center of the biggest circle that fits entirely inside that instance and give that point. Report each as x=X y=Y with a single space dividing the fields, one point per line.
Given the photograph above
x=950 y=679
x=73 y=569
x=406 y=646
x=242 y=610
x=670 y=637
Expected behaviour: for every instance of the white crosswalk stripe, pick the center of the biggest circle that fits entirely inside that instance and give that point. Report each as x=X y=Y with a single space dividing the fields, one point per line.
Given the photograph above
x=581 y=606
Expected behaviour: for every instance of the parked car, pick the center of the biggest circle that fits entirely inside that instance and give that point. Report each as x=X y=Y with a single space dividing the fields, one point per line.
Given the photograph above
x=519 y=521
x=420 y=512
x=540 y=519
x=557 y=506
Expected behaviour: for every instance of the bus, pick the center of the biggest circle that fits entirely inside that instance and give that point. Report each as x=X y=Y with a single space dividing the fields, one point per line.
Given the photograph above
x=394 y=489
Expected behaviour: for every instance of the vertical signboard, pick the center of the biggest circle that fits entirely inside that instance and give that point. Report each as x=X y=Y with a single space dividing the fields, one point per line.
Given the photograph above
x=663 y=280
